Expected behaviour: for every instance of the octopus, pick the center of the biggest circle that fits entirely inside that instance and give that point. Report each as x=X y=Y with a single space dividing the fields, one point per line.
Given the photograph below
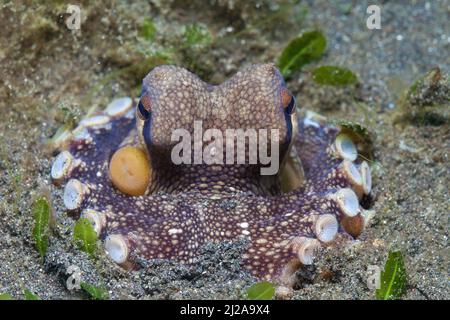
x=118 y=171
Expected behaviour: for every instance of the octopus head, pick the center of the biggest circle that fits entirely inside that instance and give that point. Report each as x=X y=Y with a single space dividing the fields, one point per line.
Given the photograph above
x=184 y=121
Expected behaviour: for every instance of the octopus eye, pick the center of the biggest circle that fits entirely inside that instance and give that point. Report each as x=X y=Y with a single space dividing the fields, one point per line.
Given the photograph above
x=144 y=108
x=288 y=101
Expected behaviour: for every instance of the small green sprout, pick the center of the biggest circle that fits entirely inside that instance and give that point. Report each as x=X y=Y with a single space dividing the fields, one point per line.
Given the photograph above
x=6 y=296
x=334 y=76
x=41 y=216
x=305 y=49
x=30 y=295
x=393 y=278
x=148 y=30
x=416 y=84
x=263 y=290
x=196 y=35
x=94 y=292
x=85 y=236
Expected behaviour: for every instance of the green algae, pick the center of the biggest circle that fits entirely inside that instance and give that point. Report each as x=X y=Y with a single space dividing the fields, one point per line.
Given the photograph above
x=41 y=216
x=85 y=236
x=263 y=290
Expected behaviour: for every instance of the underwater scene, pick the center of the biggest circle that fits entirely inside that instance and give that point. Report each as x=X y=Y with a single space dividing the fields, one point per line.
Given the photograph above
x=224 y=150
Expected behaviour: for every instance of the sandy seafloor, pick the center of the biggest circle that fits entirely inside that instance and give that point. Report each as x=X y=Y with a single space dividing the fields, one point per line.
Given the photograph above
x=44 y=66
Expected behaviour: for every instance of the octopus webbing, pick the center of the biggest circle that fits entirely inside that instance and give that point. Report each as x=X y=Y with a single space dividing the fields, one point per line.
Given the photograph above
x=118 y=171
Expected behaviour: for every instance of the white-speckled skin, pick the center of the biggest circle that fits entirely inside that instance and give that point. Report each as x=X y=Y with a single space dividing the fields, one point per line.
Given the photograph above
x=187 y=206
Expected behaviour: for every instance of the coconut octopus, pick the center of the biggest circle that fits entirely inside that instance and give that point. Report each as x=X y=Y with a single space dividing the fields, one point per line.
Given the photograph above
x=117 y=171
